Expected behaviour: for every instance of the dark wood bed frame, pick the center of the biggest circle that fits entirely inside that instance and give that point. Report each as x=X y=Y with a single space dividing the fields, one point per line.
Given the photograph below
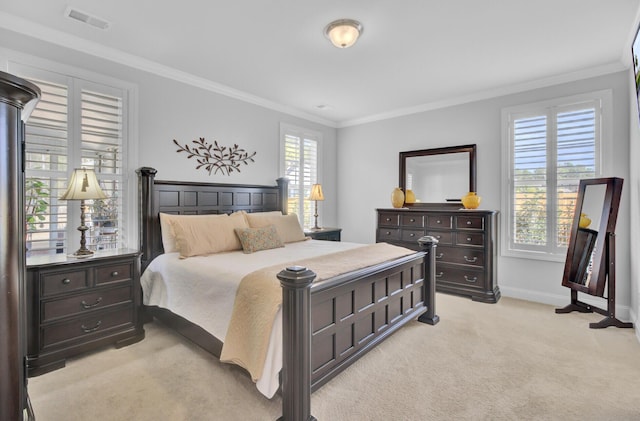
x=340 y=318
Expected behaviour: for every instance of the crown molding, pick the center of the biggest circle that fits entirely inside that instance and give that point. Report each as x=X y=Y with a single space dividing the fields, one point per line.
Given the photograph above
x=44 y=33
x=492 y=93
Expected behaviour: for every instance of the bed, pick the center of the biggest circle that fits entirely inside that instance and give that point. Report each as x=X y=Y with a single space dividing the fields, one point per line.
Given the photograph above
x=340 y=318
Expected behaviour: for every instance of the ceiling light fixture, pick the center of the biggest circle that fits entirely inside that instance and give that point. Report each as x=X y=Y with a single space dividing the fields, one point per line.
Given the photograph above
x=343 y=33
x=86 y=18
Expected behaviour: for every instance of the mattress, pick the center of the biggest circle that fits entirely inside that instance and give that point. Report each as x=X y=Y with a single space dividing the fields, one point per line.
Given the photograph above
x=202 y=290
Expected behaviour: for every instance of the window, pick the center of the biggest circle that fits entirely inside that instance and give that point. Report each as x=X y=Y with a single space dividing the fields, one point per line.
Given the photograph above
x=75 y=124
x=549 y=147
x=299 y=162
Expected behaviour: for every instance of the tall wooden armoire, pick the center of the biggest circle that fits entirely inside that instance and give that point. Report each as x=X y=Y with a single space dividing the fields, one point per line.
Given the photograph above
x=17 y=99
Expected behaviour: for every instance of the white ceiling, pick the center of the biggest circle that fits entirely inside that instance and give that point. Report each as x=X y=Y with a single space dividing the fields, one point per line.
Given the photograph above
x=413 y=54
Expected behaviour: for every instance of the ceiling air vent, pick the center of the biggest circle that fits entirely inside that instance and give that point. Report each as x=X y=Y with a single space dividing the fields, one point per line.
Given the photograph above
x=86 y=18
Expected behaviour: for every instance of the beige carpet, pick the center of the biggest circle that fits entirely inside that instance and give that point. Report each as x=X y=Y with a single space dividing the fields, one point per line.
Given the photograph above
x=514 y=360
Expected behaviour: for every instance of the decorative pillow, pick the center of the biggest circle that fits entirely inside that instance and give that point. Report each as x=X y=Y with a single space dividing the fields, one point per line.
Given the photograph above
x=256 y=239
x=202 y=236
x=168 y=236
x=288 y=226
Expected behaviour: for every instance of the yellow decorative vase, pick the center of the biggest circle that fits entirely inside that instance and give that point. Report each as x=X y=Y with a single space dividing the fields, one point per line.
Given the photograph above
x=585 y=221
x=397 y=198
x=471 y=200
x=410 y=197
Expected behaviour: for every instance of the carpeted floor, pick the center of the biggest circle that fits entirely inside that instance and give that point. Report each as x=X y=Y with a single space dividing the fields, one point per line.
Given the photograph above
x=514 y=360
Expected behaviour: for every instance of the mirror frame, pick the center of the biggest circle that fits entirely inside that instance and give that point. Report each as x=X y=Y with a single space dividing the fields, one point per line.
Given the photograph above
x=470 y=149
x=602 y=247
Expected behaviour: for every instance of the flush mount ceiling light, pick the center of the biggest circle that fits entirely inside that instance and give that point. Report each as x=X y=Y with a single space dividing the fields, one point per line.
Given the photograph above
x=343 y=33
x=86 y=18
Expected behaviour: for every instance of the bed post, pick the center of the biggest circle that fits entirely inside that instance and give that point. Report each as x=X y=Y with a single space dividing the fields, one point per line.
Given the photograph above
x=296 y=339
x=283 y=187
x=428 y=245
x=147 y=175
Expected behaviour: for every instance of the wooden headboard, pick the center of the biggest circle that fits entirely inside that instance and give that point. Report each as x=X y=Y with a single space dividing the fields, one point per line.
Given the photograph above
x=193 y=198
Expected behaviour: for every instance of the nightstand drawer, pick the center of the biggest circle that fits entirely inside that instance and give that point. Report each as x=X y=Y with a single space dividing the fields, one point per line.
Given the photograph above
x=56 y=309
x=82 y=328
x=113 y=273
x=63 y=282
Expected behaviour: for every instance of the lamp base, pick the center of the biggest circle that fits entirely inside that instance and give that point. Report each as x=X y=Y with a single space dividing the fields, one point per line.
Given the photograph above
x=81 y=253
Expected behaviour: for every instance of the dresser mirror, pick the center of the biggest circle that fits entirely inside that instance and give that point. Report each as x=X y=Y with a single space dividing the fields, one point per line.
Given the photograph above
x=438 y=176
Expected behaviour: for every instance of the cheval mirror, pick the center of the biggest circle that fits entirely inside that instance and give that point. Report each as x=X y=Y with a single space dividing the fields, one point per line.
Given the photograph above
x=590 y=263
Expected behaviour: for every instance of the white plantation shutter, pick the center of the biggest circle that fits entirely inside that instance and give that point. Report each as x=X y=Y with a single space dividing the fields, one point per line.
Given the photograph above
x=551 y=149
x=76 y=124
x=300 y=156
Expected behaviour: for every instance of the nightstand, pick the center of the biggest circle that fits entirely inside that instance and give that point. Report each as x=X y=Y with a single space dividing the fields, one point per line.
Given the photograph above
x=329 y=234
x=77 y=305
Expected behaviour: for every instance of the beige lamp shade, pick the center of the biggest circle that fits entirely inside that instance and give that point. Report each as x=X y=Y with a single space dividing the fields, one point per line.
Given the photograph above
x=343 y=33
x=83 y=186
x=316 y=192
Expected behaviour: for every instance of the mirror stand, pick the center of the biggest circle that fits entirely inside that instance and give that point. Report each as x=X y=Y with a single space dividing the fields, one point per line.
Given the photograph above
x=591 y=255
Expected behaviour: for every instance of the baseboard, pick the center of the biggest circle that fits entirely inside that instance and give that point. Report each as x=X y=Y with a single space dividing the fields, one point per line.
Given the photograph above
x=623 y=313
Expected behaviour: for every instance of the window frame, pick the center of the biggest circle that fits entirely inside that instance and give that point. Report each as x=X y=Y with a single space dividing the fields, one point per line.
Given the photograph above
x=304 y=133
x=30 y=66
x=604 y=157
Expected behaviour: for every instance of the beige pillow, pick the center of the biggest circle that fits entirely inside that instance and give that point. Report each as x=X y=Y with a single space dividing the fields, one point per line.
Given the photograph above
x=288 y=226
x=168 y=237
x=202 y=236
x=256 y=239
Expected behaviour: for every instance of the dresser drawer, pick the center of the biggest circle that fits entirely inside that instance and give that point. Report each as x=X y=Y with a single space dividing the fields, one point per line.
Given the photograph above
x=113 y=273
x=470 y=239
x=84 y=328
x=443 y=237
x=56 y=309
x=388 y=234
x=459 y=255
x=63 y=282
x=389 y=219
x=461 y=276
x=412 y=221
x=412 y=235
x=470 y=222
x=439 y=221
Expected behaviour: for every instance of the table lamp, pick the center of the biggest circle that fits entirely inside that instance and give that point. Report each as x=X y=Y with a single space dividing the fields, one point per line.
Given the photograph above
x=316 y=194
x=83 y=186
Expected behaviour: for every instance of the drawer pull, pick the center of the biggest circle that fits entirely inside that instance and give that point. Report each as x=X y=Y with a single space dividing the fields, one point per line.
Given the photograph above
x=438 y=237
x=469 y=239
x=91 y=329
x=412 y=235
x=388 y=219
x=439 y=275
x=468 y=222
x=438 y=222
x=87 y=306
x=412 y=220
x=66 y=281
x=387 y=233
x=439 y=256
x=471 y=260
x=114 y=273
x=466 y=278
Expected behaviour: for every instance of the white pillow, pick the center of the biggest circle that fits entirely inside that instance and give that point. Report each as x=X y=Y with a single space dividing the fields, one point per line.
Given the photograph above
x=168 y=235
x=288 y=226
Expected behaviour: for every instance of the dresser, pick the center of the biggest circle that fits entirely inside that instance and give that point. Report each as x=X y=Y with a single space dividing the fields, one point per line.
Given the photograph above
x=76 y=305
x=467 y=246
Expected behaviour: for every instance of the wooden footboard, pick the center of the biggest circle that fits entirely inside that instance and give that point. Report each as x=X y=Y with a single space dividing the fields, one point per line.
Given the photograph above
x=326 y=325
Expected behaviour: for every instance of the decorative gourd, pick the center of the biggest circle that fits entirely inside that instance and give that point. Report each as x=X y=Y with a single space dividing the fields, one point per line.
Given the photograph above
x=397 y=198
x=410 y=197
x=585 y=221
x=471 y=200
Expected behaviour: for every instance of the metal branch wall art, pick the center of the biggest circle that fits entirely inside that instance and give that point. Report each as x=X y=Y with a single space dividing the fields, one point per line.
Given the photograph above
x=214 y=158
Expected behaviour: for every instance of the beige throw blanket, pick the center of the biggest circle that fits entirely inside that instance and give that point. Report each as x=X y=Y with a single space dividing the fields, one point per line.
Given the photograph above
x=259 y=297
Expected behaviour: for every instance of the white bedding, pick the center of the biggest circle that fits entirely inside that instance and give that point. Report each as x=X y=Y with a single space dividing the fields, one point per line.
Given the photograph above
x=202 y=290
